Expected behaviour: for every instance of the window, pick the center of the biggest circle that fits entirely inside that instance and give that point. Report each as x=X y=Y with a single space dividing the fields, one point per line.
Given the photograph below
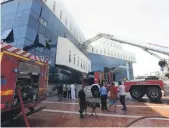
x=104 y=51
x=60 y=14
x=45 y=0
x=108 y=52
x=66 y=21
x=96 y=50
x=81 y=64
x=69 y=56
x=92 y=49
x=54 y=6
x=40 y=49
x=74 y=59
x=74 y=31
x=100 y=51
x=78 y=61
x=111 y=53
x=70 y=27
x=42 y=21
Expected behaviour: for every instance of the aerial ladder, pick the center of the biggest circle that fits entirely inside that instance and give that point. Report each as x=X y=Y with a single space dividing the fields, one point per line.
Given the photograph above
x=148 y=47
x=151 y=87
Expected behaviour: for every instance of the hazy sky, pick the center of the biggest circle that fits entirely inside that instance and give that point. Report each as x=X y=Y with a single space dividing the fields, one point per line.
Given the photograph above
x=136 y=20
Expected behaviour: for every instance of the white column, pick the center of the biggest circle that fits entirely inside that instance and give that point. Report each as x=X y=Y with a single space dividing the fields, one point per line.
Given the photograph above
x=128 y=73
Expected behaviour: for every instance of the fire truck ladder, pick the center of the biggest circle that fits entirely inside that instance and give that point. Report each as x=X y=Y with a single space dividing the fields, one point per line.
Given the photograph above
x=148 y=47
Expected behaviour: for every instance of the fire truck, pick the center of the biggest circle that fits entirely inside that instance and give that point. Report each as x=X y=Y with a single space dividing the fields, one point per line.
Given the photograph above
x=152 y=86
x=24 y=81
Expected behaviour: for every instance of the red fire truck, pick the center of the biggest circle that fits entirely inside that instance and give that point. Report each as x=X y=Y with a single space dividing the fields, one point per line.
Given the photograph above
x=138 y=88
x=24 y=80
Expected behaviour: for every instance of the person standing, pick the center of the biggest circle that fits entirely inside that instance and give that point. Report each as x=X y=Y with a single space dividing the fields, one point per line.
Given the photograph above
x=60 y=92
x=103 y=94
x=69 y=92
x=113 y=97
x=73 y=91
x=122 y=95
x=82 y=101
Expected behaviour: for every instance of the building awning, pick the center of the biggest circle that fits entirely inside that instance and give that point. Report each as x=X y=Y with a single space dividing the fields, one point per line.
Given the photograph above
x=7 y=35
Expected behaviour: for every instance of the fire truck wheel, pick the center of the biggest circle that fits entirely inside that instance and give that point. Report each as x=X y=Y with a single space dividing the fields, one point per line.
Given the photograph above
x=154 y=93
x=137 y=92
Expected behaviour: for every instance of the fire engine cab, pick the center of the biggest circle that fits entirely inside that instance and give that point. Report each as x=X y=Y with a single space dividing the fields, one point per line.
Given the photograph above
x=25 y=72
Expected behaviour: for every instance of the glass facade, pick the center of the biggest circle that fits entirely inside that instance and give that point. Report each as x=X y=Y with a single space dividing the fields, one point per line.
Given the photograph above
x=31 y=21
x=98 y=62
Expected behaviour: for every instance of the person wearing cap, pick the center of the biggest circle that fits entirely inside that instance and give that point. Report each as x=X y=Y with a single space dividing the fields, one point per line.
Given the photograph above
x=122 y=95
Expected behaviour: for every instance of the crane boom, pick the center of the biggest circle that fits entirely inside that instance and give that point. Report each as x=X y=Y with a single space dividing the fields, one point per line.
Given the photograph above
x=146 y=47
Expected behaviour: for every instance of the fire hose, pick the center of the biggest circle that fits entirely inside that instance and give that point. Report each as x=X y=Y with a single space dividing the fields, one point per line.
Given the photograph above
x=23 y=108
x=144 y=117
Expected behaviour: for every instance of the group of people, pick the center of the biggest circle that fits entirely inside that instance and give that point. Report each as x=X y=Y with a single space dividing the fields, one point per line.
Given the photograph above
x=113 y=95
x=66 y=91
x=110 y=92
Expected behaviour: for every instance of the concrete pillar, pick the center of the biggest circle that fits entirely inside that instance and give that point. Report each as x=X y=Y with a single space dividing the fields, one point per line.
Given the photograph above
x=128 y=72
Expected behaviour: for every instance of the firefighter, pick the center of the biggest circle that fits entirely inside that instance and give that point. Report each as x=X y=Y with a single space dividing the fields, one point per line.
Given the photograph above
x=82 y=101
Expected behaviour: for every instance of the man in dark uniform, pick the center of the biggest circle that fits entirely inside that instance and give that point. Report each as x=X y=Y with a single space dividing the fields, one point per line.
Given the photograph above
x=82 y=101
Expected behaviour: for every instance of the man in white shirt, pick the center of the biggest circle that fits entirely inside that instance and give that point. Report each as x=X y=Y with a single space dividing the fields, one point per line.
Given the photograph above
x=73 y=91
x=122 y=94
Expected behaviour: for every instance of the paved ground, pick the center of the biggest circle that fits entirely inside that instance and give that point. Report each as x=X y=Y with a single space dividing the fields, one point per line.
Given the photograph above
x=64 y=114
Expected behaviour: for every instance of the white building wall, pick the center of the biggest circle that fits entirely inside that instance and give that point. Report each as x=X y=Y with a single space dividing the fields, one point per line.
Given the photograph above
x=110 y=48
x=71 y=25
x=64 y=48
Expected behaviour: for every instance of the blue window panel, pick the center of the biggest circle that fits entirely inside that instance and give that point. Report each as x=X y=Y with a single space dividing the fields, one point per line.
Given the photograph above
x=42 y=29
x=53 y=49
x=31 y=33
x=31 y=51
x=19 y=14
x=49 y=26
x=42 y=39
x=20 y=41
x=34 y=14
x=27 y=12
x=52 y=54
x=52 y=61
x=36 y=6
x=20 y=32
x=18 y=46
x=28 y=42
x=40 y=49
x=54 y=38
x=21 y=21
x=5 y=33
x=8 y=8
x=6 y=25
x=46 y=14
x=24 y=5
x=9 y=17
x=48 y=34
x=33 y=22
x=46 y=51
x=37 y=53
